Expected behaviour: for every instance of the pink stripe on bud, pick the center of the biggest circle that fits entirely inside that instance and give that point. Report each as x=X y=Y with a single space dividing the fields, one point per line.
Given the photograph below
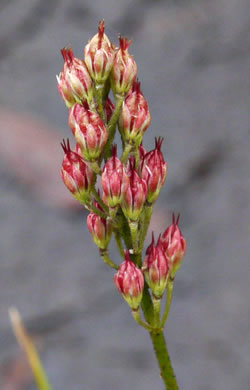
x=76 y=175
x=174 y=245
x=156 y=268
x=130 y=282
x=89 y=130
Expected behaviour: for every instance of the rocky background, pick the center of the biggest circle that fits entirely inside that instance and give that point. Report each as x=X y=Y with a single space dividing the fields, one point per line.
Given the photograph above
x=192 y=58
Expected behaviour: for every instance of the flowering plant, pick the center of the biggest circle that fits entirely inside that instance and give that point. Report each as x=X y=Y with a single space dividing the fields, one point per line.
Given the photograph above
x=122 y=204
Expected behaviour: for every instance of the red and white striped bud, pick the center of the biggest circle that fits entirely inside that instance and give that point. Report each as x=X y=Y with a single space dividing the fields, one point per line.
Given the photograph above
x=174 y=245
x=130 y=282
x=99 y=55
x=100 y=228
x=74 y=82
x=154 y=170
x=136 y=194
x=135 y=117
x=108 y=109
x=89 y=131
x=115 y=180
x=76 y=175
x=124 y=70
x=156 y=269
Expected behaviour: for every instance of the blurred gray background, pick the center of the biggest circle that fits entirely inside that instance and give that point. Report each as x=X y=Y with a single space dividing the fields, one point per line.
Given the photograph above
x=192 y=58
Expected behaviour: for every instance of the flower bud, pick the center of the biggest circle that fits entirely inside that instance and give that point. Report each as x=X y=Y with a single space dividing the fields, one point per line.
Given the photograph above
x=136 y=193
x=154 y=170
x=76 y=175
x=135 y=117
x=115 y=180
x=99 y=55
x=89 y=131
x=174 y=245
x=124 y=70
x=156 y=268
x=130 y=282
x=100 y=228
x=74 y=82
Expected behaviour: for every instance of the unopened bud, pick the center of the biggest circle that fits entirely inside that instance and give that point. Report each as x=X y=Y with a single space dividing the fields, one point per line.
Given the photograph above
x=130 y=282
x=174 y=245
x=135 y=116
x=154 y=171
x=76 y=175
x=89 y=131
x=136 y=193
x=156 y=268
x=100 y=228
x=115 y=180
x=99 y=55
x=74 y=82
x=124 y=70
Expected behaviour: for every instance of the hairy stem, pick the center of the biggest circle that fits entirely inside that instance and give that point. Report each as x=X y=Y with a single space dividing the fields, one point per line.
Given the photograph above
x=99 y=97
x=119 y=243
x=127 y=150
x=162 y=355
x=157 y=311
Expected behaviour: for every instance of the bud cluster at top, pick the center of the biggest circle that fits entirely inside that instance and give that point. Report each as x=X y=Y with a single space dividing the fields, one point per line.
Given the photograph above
x=129 y=185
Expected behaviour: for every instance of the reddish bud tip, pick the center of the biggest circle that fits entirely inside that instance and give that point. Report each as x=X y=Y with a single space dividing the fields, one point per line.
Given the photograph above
x=124 y=43
x=67 y=54
x=101 y=29
x=158 y=143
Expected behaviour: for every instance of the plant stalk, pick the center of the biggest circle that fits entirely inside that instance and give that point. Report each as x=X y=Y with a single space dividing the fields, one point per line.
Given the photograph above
x=163 y=358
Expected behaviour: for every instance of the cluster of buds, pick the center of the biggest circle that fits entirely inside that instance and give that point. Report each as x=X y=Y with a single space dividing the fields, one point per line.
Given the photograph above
x=130 y=185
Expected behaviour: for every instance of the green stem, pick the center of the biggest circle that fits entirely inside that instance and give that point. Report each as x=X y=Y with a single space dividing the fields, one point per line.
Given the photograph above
x=162 y=355
x=99 y=199
x=127 y=150
x=95 y=210
x=137 y=158
x=145 y=221
x=147 y=305
x=133 y=225
x=157 y=311
x=94 y=165
x=99 y=97
x=119 y=243
x=137 y=316
x=112 y=126
x=170 y=287
x=126 y=235
x=105 y=255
